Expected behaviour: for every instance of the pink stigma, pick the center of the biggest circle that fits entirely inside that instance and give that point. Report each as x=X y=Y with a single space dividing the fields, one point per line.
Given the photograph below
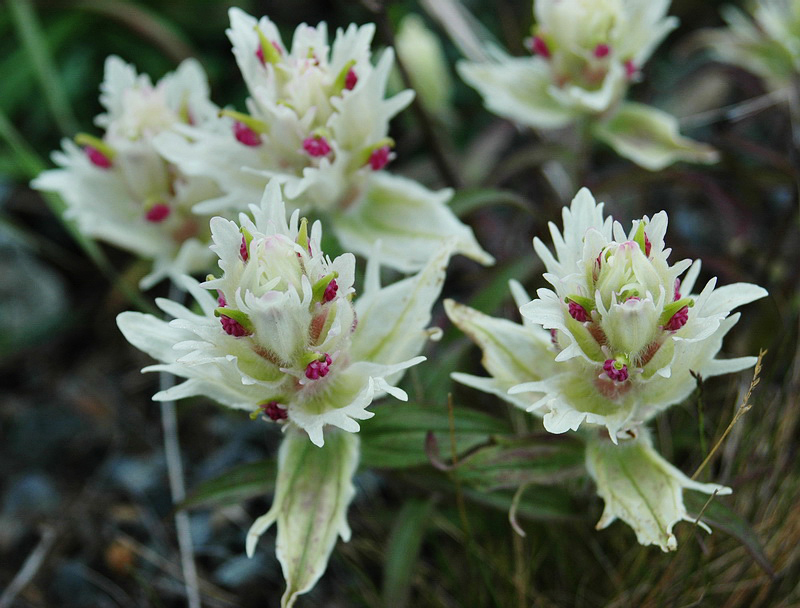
x=539 y=47
x=647 y=245
x=330 y=291
x=630 y=69
x=230 y=326
x=602 y=50
x=350 y=80
x=380 y=158
x=245 y=135
x=677 y=290
x=157 y=213
x=97 y=158
x=678 y=320
x=318 y=369
x=618 y=375
x=274 y=411
x=316 y=146
x=554 y=337
x=577 y=312
x=243 y=251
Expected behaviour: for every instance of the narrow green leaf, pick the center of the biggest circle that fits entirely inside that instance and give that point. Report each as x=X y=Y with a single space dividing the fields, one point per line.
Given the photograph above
x=234 y=486
x=512 y=462
x=402 y=552
x=18 y=85
x=395 y=437
x=144 y=22
x=495 y=292
x=467 y=200
x=717 y=515
x=33 y=39
x=538 y=502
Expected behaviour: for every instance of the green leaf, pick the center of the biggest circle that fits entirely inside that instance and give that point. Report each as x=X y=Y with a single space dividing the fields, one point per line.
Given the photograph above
x=234 y=485
x=402 y=552
x=717 y=515
x=145 y=22
x=395 y=437
x=469 y=199
x=512 y=462
x=538 y=502
x=495 y=292
x=33 y=39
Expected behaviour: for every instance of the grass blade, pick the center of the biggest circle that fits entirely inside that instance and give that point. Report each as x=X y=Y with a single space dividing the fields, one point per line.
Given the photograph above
x=33 y=39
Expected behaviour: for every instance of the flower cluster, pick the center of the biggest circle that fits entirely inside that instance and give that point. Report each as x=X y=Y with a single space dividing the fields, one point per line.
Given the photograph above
x=281 y=335
x=626 y=331
x=317 y=122
x=765 y=44
x=120 y=189
x=585 y=53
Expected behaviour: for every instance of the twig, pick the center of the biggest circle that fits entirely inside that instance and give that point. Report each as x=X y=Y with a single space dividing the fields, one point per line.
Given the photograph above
x=29 y=569
x=744 y=407
x=512 y=512
x=172 y=452
x=700 y=410
x=735 y=111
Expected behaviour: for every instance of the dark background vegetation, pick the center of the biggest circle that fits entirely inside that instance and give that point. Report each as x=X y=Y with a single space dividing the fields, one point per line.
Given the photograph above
x=82 y=471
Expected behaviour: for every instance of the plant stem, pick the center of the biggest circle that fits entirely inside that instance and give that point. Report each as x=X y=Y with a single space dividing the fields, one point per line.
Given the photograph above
x=177 y=486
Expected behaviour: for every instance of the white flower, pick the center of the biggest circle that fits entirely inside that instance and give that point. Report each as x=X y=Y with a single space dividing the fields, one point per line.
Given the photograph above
x=317 y=121
x=631 y=330
x=119 y=189
x=765 y=44
x=641 y=488
x=283 y=337
x=625 y=336
x=585 y=55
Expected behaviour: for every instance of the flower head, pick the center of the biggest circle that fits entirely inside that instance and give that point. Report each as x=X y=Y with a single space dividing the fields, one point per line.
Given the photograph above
x=630 y=336
x=280 y=333
x=317 y=111
x=625 y=335
x=120 y=189
x=764 y=43
x=317 y=121
x=585 y=53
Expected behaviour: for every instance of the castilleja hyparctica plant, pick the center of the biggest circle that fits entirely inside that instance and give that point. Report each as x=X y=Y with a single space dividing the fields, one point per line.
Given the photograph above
x=584 y=56
x=613 y=343
x=281 y=335
x=294 y=340
x=118 y=187
x=317 y=122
